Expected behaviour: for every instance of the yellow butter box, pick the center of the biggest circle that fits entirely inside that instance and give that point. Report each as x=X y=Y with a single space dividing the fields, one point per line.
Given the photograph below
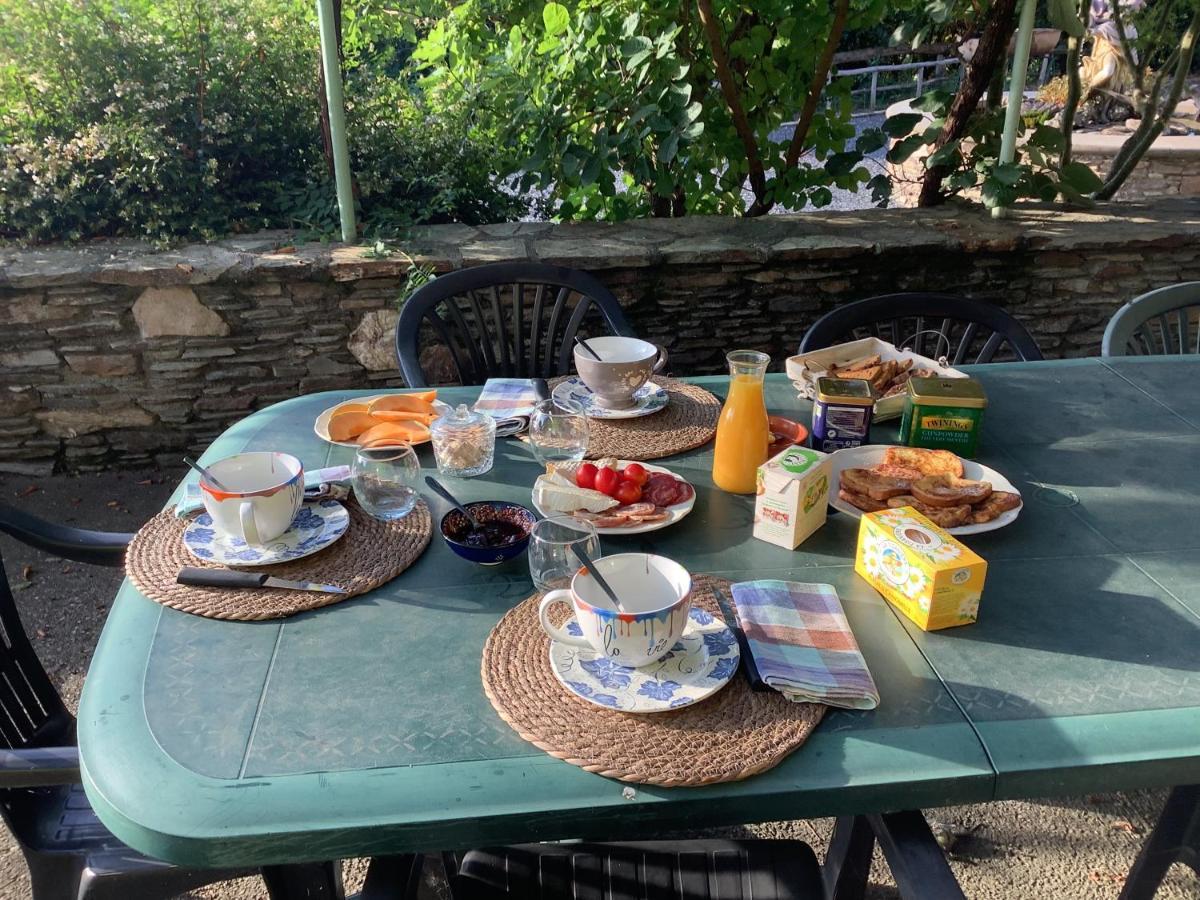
x=920 y=568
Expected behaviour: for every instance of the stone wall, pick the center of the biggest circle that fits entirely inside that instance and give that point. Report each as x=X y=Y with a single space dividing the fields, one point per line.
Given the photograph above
x=112 y=354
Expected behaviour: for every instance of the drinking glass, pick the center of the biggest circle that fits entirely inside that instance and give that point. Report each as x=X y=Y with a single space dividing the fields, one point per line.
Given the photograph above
x=552 y=561
x=385 y=480
x=558 y=433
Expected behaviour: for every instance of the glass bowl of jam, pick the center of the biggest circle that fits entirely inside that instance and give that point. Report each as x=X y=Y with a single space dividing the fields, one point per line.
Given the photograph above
x=503 y=531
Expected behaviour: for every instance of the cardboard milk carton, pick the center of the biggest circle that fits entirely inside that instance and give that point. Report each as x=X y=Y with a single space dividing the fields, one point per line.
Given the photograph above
x=919 y=568
x=793 y=495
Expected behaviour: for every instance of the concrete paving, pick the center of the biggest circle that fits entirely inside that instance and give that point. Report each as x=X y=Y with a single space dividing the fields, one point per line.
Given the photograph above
x=1079 y=847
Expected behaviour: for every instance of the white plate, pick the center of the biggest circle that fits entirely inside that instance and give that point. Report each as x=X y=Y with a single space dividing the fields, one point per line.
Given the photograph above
x=647 y=400
x=866 y=456
x=318 y=524
x=703 y=662
x=674 y=513
x=321 y=426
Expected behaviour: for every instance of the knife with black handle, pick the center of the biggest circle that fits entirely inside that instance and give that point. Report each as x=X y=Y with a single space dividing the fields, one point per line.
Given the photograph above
x=749 y=668
x=231 y=578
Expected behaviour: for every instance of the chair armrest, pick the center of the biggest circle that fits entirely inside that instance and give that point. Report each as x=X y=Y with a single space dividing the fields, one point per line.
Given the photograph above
x=39 y=767
x=101 y=548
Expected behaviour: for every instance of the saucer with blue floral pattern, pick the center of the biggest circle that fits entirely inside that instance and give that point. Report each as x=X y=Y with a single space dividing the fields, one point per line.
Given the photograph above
x=700 y=664
x=317 y=525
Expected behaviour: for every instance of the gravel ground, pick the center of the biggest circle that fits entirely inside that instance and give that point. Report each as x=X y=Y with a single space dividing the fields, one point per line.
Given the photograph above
x=1066 y=848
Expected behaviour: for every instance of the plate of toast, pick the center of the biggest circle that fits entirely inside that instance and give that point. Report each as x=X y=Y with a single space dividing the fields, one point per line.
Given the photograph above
x=960 y=495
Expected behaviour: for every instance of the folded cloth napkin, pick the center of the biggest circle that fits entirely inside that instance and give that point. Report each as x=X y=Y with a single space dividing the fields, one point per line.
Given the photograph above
x=802 y=644
x=192 y=501
x=509 y=401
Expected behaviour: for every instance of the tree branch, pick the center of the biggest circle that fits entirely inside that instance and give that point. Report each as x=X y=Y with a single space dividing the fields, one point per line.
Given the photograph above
x=991 y=51
x=1139 y=142
x=1074 y=88
x=758 y=176
x=817 y=85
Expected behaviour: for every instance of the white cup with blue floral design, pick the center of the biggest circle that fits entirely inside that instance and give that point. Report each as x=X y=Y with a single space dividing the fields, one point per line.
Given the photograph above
x=257 y=495
x=655 y=594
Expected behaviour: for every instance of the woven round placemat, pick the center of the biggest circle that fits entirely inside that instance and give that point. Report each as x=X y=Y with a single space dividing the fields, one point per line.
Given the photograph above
x=371 y=553
x=729 y=736
x=689 y=421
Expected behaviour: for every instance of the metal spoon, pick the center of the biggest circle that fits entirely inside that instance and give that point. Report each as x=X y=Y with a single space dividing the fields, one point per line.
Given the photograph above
x=206 y=475
x=584 y=344
x=595 y=573
x=446 y=495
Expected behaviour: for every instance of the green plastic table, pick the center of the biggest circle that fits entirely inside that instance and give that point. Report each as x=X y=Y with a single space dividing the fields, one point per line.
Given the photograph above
x=362 y=729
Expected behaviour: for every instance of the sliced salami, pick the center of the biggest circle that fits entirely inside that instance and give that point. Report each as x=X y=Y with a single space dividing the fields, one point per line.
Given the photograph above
x=662 y=489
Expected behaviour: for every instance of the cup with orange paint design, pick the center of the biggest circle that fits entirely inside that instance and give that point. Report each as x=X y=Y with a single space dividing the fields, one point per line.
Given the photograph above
x=655 y=594
x=258 y=497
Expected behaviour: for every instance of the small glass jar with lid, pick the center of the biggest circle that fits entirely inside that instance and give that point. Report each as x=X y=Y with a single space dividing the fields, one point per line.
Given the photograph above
x=464 y=442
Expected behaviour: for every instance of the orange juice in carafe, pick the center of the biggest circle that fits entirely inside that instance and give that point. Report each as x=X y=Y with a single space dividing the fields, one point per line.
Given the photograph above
x=742 y=432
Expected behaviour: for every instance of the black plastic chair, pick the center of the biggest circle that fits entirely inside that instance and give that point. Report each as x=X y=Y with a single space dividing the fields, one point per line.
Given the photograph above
x=663 y=870
x=934 y=325
x=70 y=854
x=505 y=320
x=1145 y=325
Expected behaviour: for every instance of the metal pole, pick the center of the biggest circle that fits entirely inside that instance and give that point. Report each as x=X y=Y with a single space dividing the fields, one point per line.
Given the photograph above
x=1016 y=89
x=337 y=119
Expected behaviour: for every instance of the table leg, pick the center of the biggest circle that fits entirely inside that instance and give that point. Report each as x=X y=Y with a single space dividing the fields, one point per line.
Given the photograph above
x=305 y=881
x=392 y=877
x=848 y=862
x=917 y=862
x=1175 y=838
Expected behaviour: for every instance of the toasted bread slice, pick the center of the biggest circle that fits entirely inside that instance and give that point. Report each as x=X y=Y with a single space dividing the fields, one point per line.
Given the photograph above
x=943 y=516
x=877 y=487
x=861 y=501
x=947 y=490
x=995 y=506
x=929 y=462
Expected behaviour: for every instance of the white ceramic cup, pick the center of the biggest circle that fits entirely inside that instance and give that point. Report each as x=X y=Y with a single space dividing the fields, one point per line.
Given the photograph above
x=263 y=493
x=655 y=592
x=625 y=365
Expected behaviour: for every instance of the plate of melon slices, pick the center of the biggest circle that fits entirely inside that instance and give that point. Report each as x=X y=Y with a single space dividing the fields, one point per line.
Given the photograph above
x=380 y=420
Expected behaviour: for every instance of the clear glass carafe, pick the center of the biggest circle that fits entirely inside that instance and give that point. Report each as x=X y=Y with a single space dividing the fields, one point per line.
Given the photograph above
x=742 y=431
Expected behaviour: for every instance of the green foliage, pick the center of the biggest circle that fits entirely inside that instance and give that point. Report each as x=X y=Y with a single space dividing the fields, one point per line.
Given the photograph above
x=973 y=161
x=196 y=119
x=614 y=110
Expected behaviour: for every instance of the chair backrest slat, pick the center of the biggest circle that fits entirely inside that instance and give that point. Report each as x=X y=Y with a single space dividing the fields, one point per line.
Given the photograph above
x=1145 y=326
x=30 y=709
x=468 y=312
x=979 y=323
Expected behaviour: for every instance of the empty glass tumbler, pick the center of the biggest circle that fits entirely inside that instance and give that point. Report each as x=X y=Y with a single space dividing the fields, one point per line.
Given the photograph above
x=558 y=433
x=385 y=480
x=552 y=561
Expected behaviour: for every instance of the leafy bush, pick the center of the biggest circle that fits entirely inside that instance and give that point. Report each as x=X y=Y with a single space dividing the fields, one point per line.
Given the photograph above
x=165 y=121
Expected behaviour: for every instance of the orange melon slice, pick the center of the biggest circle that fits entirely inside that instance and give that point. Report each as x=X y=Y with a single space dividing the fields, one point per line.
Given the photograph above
x=351 y=406
x=388 y=415
x=345 y=426
x=405 y=403
x=391 y=432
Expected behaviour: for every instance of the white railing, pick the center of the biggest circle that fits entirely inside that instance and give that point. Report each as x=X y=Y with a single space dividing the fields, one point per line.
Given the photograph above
x=921 y=84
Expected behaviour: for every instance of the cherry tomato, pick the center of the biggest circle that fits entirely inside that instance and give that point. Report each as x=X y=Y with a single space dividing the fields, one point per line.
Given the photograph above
x=607 y=480
x=628 y=492
x=635 y=473
x=586 y=476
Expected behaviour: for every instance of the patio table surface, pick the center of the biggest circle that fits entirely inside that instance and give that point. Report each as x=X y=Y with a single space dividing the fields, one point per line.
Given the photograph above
x=362 y=728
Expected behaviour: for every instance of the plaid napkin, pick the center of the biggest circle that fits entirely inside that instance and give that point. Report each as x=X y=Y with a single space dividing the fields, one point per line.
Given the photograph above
x=802 y=643
x=510 y=401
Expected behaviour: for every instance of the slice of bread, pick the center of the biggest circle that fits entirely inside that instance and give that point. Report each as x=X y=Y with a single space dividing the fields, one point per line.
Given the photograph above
x=928 y=462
